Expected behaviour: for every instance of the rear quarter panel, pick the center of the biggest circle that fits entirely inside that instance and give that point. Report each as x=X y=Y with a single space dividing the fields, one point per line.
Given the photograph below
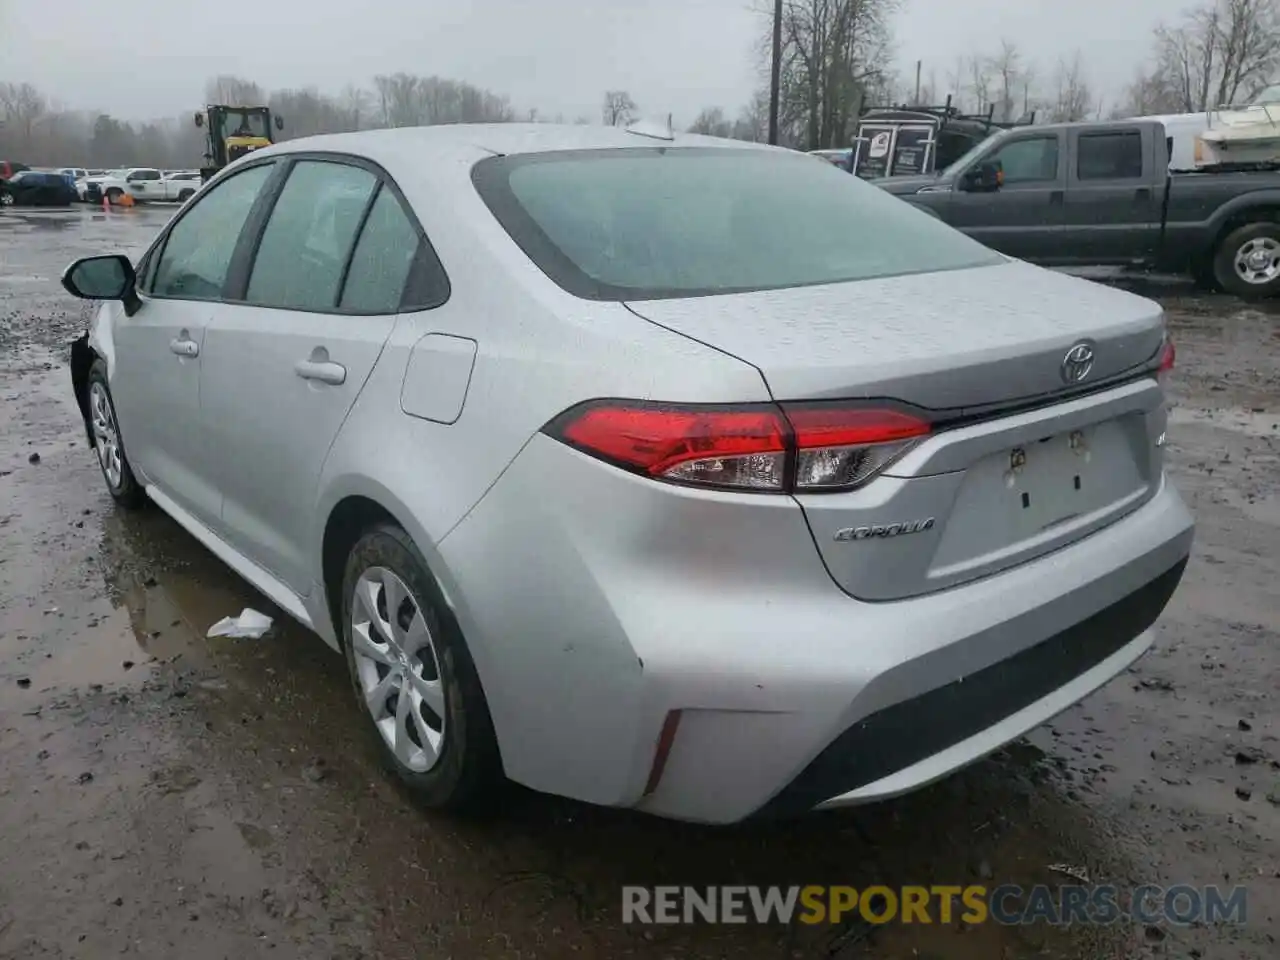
x=539 y=351
x=1201 y=205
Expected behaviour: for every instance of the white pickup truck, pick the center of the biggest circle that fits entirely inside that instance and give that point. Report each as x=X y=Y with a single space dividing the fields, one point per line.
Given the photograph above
x=144 y=184
x=180 y=185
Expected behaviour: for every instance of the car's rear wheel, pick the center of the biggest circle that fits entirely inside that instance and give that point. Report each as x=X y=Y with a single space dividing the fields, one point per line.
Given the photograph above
x=1248 y=261
x=185 y=195
x=114 y=195
x=414 y=678
x=6 y=199
x=107 y=442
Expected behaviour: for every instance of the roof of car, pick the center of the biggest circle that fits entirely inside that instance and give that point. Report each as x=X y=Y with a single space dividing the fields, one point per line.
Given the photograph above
x=469 y=142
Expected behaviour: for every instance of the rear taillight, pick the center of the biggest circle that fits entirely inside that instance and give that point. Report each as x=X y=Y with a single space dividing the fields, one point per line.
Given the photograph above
x=1168 y=355
x=757 y=447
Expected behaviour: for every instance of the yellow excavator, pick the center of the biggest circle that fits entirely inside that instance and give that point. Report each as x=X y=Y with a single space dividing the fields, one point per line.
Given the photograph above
x=231 y=132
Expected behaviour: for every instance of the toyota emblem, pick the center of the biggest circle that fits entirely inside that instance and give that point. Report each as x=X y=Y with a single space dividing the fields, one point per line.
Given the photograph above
x=1078 y=362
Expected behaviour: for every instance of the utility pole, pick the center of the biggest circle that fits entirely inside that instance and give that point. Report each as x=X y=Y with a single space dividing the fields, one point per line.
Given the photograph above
x=775 y=71
x=916 y=100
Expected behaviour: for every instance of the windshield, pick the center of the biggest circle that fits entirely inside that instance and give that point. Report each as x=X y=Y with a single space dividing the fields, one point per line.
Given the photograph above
x=243 y=123
x=676 y=222
x=967 y=157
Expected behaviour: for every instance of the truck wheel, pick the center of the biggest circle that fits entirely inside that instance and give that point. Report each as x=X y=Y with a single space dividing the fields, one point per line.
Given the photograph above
x=113 y=196
x=186 y=195
x=1248 y=261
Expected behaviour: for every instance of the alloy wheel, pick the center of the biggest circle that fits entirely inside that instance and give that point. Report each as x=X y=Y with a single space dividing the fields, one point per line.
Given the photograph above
x=106 y=434
x=398 y=668
x=1257 y=261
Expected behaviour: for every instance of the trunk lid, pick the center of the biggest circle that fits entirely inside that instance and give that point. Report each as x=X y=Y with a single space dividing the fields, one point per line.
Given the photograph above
x=945 y=340
x=999 y=490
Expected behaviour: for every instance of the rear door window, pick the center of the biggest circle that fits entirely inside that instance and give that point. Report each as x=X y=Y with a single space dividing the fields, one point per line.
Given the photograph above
x=309 y=236
x=1109 y=156
x=382 y=259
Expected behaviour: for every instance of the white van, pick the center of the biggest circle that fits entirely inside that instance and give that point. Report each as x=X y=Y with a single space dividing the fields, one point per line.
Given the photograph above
x=1182 y=130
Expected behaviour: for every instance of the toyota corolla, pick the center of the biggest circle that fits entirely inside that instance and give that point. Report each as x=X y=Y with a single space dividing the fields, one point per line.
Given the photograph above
x=653 y=470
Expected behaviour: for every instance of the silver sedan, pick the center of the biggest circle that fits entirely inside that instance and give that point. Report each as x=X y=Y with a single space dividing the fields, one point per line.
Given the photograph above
x=662 y=472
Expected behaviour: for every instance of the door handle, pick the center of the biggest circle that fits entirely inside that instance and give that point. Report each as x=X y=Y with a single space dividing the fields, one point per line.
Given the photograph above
x=1142 y=193
x=1055 y=196
x=184 y=346
x=326 y=371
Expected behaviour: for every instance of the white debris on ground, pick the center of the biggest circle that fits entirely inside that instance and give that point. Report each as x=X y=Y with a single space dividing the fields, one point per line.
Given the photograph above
x=250 y=625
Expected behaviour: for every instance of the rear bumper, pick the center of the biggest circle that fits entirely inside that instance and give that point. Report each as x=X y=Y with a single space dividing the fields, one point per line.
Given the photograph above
x=915 y=741
x=597 y=604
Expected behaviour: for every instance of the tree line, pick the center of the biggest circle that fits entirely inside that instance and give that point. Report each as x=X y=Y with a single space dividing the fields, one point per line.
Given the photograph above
x=838 y=56
x=38 y=131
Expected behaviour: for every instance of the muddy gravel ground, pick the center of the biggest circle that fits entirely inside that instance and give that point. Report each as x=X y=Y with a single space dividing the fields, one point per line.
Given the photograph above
x=166 y=795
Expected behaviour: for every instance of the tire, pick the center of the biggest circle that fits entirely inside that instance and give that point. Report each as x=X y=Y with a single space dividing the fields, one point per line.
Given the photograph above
x=466 y=769
x=108 y=443
x=1247 y=262
x=185 y=195
x=6 y=199
x=113 y=195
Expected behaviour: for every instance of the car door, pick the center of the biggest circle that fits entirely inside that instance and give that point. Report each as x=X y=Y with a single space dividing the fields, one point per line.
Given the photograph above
x=155 y=374
x=145 y=184
x=1112 y=211
x=284 y=365
x=1024 y=216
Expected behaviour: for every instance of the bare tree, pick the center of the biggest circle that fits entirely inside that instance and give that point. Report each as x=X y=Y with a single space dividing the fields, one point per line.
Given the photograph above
x=357 y=103
x=980 y=82
x=712 y=122
x=1073 y=99
x=753 y=120
x=38 y=131
x=1150 y=93
x=619 y=109
x=956 y=82
x=23 y=105
x=1007 y=67
x=835 y=56
x=1219 y=52
x=233 y=91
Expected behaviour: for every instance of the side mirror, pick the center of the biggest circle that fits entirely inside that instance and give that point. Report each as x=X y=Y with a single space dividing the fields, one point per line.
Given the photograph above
x=100 y=278
x=985 y=177
x=279 y=122
x=199 y=119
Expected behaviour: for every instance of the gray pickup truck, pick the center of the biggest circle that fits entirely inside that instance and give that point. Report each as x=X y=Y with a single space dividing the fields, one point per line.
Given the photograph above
x=1077 y=194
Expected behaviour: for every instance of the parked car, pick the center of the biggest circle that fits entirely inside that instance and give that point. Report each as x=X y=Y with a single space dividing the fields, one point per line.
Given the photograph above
x=141 y=183
x=1103 y=194
x=8 y=168
x=76 y=174
x=33 y=188
x=82 y=183
x=642 y=478
x=180 y=185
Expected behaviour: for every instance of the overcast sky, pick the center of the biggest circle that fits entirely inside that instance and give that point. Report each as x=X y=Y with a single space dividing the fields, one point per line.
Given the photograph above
x=147 y=58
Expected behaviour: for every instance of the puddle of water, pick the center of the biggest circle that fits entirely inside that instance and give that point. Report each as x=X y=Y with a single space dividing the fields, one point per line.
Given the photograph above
x=1237 y=419
x=106 y=652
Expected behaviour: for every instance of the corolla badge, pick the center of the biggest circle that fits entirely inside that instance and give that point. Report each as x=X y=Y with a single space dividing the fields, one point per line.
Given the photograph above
x=884 y=530
x=1078 y=362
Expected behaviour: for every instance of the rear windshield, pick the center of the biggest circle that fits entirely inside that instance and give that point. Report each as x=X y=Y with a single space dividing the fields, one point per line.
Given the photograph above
x=651 y=223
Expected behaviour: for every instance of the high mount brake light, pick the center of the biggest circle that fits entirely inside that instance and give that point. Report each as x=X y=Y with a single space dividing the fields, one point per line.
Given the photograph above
x=794 y=448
